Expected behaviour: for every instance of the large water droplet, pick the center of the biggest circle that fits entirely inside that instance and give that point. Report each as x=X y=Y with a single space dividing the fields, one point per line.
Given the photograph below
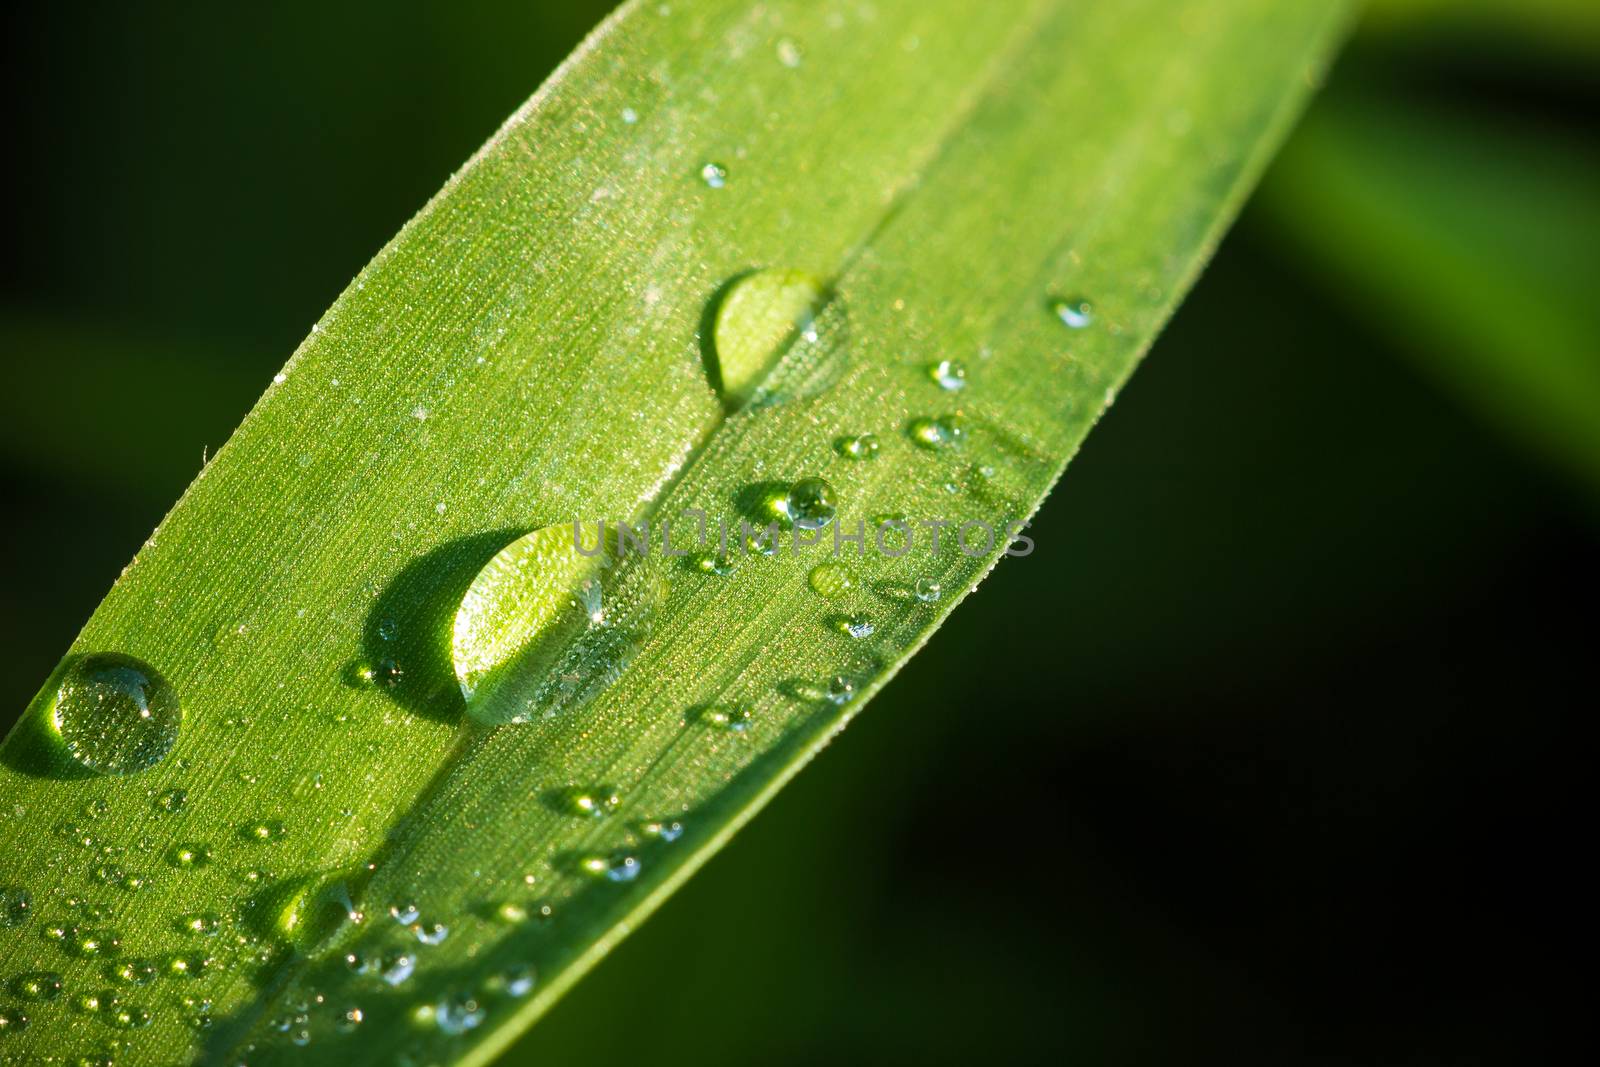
x=560 y=620
x=811 y=503
x=759 y=317
x=115 y=714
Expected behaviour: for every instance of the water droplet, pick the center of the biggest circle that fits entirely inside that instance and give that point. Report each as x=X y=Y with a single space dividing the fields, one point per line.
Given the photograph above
x=203 y=923
x=758 y=318
x=1076 y=312
x=12 y=1020
x=188 y=855
x=387 y=673
x=594 y=803
x=88 y=944
x=396 y=968
x=37 y=985
x=718 y=563
x=16 y=904
x=431 y=933
x=733 y=717
x=926 y=590
x=789 y=53
x=811 y=503
x=129 y=1017
x=857 y=626
x=312 y=909
x=667 y=831
x=511 y=912
x=188 y=966
x=860 y=446
x=388 y=630
x=137 y=971
x=832 y=580
x=714 y=175
x=115 y=714
x=172 y=800
x=630 y=116
x=518 y=981
x=949 y=374
x=567 y=616
x=404 y=914
x=96 y=809
x=457 y=1014
x=263 y=833
x=841 y=690
x=937 y=433
x=348 y=1019
x=617 y=867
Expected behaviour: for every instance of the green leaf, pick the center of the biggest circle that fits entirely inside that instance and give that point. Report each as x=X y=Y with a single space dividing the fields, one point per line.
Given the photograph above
x=810 y=207
x=1472 y=240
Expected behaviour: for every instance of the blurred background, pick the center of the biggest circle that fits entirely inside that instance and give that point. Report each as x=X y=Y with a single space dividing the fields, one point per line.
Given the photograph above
x=1286 y=766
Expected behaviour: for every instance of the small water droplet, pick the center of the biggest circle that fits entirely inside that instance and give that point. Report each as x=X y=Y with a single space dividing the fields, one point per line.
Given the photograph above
x=348 y=1019
x=87 y=944
x=518 y=981
x=115 y=715
x=733 y=717
x=404 y=914
x=831 y=580
x=630 y=116
x=789 y=53
x=859 y=446
x=936 y=433
x=396 y=968
x=594 y=803
x=387 y=673
x=16 y=905
x=667 y=831
x=12 y=1020
x=264 y=832
x=129 y=1017
x=188 y=966
x=617 y=867
x=926 y=590
x=714 y=175
x=172 y=800
x=841 y=690
x=37 y=985
x=431 y=933
x=1076 y=312
x=857 y=626
x=96 y=809
x=949 y=374
x=137 y=971
x=388 y=630
x=458 y=1013
x=203 y=923
x=718 y=563
x=811 y=503
x=511 y=912
x=189 y=855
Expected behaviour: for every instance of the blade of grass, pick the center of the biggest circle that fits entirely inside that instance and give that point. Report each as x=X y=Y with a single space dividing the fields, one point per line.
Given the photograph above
x=530 y=350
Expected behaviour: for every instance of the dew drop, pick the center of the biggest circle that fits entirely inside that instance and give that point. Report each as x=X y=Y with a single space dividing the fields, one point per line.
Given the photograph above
x=858 y=446
x=37 y=985
x=458 y=1013
x=1075 y=312
x=831 y=580
x=936 y=433
x=949 y=374
x=841 y=690
x=715 y=175
x=397 y=968
x=172 y=800
x=735 y=718
x=189 y=855
x=667 y=831
x=404 y=914
x=264 y=832
x=129 y=1017
x=348 y=1019
x=431 y=933
x=203 y=923
x=789 y=53
x=134 y=972
x=926 y=590
x=857 y=626
x=593 y=803
x=115 y=715
x=518 y=981
x=758 y=318
x=12 y=1020
x=16 y=905
x=560 y=612
x=811 y=503
x=718 y=563
x=617 y=867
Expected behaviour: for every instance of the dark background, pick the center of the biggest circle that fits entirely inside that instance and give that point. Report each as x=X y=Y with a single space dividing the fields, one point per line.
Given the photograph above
x=1269 y=753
